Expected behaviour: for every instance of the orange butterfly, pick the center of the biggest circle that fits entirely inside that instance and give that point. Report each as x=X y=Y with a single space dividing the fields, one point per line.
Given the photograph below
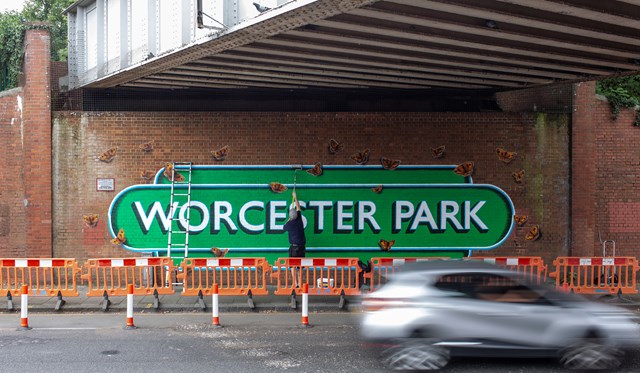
x=316 y=170
x=147 y=175
x=170 y=173
x=147 y=146
x=389 y=164
x=506 y=156
x=361 y=158
x=464 y=169
x=377 y=189
x=90 y=221
x=219 y=253
x=108 y=155
x=520 y=219
x=533 y=234
x=277 y=187
x=386 y=245
x=119 y=239
x=518 y=177
x=438 y=152
x=220 y=154
x=334 y=146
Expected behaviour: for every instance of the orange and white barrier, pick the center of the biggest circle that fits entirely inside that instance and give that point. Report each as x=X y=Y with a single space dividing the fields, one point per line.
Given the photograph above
x=382 y=268
x=130 y=325
x=532 y=267
x=324 y=276
x=233 y=276
x=24 y=309
x=596 y=275
x=112 y=276
x=44 y=277
x=305 y=306
x=215 y=317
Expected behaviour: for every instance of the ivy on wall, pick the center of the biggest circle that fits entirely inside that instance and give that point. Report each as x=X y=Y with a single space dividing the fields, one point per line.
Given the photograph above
x=12 y=29
x=621 y=92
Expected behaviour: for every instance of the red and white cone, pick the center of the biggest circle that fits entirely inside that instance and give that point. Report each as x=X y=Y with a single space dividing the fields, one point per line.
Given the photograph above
x=130 y=324
x=215 y=319
x=305 y=306
x=24 y=308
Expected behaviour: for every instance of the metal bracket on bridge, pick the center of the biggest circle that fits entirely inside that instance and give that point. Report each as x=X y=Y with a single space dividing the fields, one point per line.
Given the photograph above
x=60 y=302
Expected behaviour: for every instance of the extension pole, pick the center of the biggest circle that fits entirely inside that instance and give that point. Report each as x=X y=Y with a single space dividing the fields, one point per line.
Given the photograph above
x=215 y=319
x=130 y=324
x=24 y=308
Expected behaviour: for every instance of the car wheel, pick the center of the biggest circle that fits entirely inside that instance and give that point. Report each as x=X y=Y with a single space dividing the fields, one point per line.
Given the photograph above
x=416 y=354
x=591 y=353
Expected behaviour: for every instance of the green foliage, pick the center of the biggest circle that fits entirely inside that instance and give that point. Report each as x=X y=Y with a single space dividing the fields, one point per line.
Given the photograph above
x=11 y=41
x=621 y=92
x=50 y=11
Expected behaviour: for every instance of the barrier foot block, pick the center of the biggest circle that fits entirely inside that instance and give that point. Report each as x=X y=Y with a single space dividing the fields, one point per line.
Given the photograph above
x=105 y=302
x=250 y=300
x=294 y=303
x=200 y=304
x=342 y=301
x=59 y=304
x=20 y=328
x=129 y=327
x=156 y=301
x=305 y=326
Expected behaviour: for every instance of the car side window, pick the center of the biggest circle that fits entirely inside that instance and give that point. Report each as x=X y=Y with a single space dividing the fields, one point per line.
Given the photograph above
x=455 y=283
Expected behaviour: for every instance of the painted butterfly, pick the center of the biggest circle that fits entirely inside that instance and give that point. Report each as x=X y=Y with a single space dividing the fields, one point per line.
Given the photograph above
x=506 y=156
x=90 y=221
x=464 y=169
x=147 y=146
x=108 y=155
x=334 y=146
x=520 y=219
x=219 y=253
x=533 y=234
x=518 y=177
x=147 y=175
x=277 y=187
x=438 y=152
x=220 y=154
x=377 y=189
x=361 y=158
x=316 y=170
x=389 y=164
x=386 y=245
x=119 y=239
x=172 y=174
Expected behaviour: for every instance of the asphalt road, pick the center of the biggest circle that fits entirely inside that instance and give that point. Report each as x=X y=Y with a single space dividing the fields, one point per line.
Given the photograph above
x=169 y=342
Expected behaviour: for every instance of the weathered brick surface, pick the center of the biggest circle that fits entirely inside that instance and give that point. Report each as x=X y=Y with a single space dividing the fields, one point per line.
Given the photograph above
x=291 y=138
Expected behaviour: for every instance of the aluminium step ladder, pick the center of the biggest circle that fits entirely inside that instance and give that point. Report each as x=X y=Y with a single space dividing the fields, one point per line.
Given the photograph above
x=177 y=238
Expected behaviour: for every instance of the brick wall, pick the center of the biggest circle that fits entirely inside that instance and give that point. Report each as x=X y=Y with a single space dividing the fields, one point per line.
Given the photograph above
x=25 y=137
x=290 y=138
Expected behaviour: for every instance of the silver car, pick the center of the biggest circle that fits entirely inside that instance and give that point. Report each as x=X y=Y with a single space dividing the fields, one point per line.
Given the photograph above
x=433 y=310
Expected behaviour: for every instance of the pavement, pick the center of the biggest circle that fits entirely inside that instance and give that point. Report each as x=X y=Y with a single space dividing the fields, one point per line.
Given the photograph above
x=263 y=303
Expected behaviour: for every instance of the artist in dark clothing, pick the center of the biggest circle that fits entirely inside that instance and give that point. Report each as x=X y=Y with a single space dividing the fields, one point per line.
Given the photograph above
x=295 y=227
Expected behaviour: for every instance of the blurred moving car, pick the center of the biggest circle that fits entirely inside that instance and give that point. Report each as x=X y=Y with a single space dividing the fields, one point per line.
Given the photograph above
x=433 y=310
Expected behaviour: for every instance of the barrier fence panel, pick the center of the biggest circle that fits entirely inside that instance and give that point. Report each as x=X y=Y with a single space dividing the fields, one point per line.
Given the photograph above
x=382 y=268
x=234 y=276
x=44 y=277
x=330 y=276
x=597 y=275
x=532 y=267
x=147 y=275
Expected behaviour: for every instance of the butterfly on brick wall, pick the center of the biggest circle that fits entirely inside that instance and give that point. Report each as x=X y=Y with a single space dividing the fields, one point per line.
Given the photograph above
x=219 y=253
x=438 y=152
x=220 y=154
x=506 y=156
x=389 y=164
x=518 y=177
x=146 y=147
x=520 y=219
x=120 y=238
x=377 y=189
x=386 y=245
x=335 y=146
x=277 y=187
x=171 y=174
x=90 y=221
x=108 y=155
x=464 y=169
x=147 y=175
x=316 y=170
x=361 y=158
x=533 y=234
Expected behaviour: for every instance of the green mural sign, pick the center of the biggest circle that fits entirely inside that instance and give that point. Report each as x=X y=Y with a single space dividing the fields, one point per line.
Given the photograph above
x=420 y=208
